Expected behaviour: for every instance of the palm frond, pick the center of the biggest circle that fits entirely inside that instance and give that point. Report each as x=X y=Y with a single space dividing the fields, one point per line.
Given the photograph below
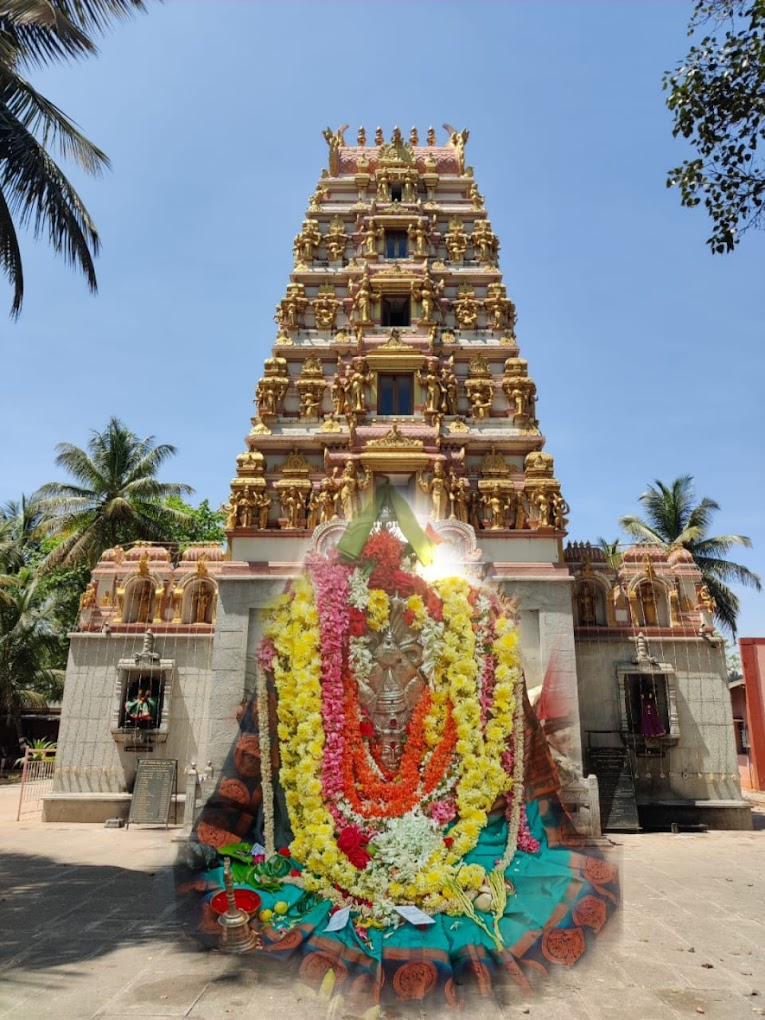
x=10 y=256
x=43 y=118
x=39 y=193
x=641 y=530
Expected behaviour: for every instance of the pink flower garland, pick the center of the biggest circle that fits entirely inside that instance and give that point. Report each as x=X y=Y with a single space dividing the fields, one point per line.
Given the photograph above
x=331 y=584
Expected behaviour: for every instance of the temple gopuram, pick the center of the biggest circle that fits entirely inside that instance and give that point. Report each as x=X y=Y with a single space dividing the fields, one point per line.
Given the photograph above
x=396 y=367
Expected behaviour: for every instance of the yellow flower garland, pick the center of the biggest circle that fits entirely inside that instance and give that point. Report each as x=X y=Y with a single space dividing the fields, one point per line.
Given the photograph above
x=294 y=630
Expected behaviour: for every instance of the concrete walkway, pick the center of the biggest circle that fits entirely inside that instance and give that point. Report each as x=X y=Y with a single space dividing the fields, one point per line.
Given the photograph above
x=88 y=929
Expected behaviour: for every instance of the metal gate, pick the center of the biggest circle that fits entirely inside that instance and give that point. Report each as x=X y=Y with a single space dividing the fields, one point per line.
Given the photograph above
x=36 y=780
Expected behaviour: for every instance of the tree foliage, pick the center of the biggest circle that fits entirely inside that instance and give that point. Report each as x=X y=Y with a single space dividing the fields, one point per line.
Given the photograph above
x=674 y=518
x=28 y=644
x=717 y=97
x=34 y=191
x=115 y=497
x=202 y=524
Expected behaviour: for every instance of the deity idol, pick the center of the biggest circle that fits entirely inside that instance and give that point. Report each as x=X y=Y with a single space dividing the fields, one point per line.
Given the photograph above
x=391 y=796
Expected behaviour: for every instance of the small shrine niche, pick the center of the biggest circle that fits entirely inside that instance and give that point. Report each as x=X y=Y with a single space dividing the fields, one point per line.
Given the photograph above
x=590 y=604
x=648 y=700
x=142 y=697
x=138 y=600
x=198 y=604
x=649 y=604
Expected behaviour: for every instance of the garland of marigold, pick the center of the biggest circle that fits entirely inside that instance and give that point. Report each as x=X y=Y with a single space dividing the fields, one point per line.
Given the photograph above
x=296 y=633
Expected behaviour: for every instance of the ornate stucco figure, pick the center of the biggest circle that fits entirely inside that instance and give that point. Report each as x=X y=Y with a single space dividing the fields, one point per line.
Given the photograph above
x=456 y=240
x=307 y=242
x=349 y=489
x=466 y=307
x=358 y=382
x=430 y=381
x=437 y=487
x=485 y=243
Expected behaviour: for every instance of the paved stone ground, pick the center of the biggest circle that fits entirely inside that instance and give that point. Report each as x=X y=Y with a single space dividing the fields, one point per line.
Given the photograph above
x=88 y=930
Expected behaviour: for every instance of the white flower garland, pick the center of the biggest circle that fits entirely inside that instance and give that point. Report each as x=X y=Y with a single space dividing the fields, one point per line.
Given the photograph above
x=266 y=774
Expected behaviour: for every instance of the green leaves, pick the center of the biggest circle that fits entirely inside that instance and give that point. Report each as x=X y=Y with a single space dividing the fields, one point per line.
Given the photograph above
x=717 y=97
x=118 y=498
x=33 y=188
x=674 y=518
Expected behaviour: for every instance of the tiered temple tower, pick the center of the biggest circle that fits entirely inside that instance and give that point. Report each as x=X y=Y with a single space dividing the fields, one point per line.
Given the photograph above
x=396 y=357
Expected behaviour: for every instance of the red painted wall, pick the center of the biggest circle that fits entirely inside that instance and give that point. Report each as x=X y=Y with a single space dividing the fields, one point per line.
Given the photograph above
x=753 y=666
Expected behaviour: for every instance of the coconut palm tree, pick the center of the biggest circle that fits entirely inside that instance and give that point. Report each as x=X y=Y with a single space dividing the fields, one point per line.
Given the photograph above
x=28 y=639
x=674 y=518
x=613 y=552
x=34 y=192
x=115 y=497
x=20 y=533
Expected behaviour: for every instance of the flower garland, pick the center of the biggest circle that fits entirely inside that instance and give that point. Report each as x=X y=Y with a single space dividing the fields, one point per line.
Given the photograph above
x=266 y=776
x=362 y=831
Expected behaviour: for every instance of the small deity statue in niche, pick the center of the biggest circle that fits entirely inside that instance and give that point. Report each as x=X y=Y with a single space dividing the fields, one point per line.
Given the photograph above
x=144 y=594
x=327 y=501
x=460 y=498
x=357 y=386
x=338 y=391
x=362 y=302
x=650 y=723
x=480 y=393
x=263 y=504
x=141 y=709
x=307 y=242
x=230 y=510
x=201 y=601
x=456 y=240
x=246 y=505
x=559 y=508
x=449 y=389
x=418 y=239
x=349 y=488
x=370 y=237
x=647 y=597
x=312 y=514
x=429 y=380
x=542 y=502
x=438 y=490
x=586 y=605
x=293 y=505
x=495 y=505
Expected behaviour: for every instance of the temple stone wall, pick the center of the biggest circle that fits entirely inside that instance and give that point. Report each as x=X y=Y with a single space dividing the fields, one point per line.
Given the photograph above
x=94 y=772
x=238 y=632
x=695 y=777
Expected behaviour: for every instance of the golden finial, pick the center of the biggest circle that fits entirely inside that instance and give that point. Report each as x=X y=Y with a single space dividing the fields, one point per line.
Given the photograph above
x=431 y=136
x=361 y=137
x=379 y=136
x=414 y=137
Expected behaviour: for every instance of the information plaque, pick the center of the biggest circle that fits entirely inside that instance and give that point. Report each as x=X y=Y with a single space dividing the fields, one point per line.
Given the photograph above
x=155 y=783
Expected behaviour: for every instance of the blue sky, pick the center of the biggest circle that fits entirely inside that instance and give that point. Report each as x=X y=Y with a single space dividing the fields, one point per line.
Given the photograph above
x=646 y=350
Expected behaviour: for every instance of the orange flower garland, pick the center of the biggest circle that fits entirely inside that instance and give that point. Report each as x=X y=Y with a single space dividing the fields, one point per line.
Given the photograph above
x=375 y=797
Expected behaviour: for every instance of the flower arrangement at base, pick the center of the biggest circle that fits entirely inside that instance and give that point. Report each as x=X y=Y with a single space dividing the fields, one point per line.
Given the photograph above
x=399 y=721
